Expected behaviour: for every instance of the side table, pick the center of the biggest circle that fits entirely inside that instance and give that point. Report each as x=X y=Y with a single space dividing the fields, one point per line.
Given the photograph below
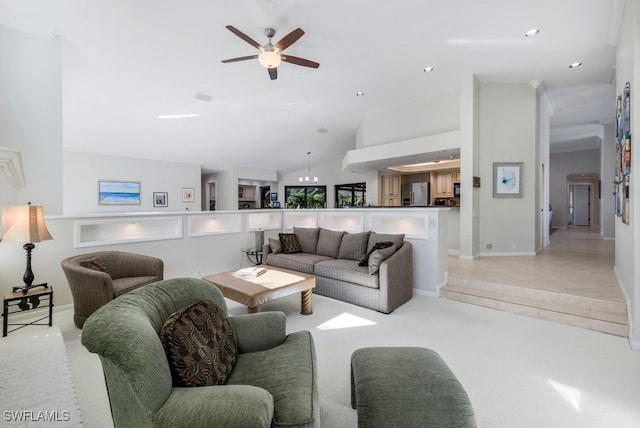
x=254 y=255
x=18 y=302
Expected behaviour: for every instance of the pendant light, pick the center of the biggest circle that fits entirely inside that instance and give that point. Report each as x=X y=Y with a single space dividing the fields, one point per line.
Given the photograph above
x=307 y=179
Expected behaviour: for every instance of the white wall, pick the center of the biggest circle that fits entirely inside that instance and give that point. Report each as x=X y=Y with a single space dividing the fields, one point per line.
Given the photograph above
x=508 y=134
x=82 y=171
x=584 y=161
x=31 y=116
x=628 y=235
x=438 y=114
x=607 y=175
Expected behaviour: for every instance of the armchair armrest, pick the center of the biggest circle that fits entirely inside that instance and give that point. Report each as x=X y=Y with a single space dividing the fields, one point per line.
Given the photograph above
x=261 y=331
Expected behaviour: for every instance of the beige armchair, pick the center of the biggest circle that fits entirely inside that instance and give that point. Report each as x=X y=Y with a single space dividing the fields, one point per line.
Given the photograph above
x=97 y=278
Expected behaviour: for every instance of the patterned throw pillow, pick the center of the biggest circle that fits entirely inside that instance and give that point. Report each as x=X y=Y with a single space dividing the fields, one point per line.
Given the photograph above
x=200 y=345
x=378 y=256
x=289 y=243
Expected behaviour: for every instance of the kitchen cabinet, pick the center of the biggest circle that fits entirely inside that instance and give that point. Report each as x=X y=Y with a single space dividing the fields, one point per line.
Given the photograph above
x=391 y=191
x=246 y=193
x=443 y=181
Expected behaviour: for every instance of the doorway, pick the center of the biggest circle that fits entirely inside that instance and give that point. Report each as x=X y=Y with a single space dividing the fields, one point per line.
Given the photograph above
x=579 y=209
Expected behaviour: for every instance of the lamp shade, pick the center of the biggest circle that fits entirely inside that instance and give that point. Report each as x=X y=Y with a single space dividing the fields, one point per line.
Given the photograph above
x=269 y=59
x=25 y=224
x=258 y=221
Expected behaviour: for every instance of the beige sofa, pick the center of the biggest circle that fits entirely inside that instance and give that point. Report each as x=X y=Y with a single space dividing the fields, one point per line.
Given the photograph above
x=334 y=257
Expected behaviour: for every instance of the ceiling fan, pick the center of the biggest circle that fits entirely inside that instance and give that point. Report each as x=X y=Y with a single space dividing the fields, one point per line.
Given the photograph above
x=271 y=55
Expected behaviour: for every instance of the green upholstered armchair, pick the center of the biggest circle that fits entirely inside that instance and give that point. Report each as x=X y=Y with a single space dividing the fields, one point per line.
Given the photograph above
x=99 y=277
x=273 y=381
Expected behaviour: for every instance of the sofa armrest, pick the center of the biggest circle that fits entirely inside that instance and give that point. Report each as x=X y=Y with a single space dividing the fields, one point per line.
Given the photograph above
x=224 y=406
x=396 y=276
x=261 y=331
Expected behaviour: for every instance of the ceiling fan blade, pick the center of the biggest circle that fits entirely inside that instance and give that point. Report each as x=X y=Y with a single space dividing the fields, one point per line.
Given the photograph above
x=273 y=73
x=240 y=58
x=288 y=40
x=244 y=37
x=299 y=61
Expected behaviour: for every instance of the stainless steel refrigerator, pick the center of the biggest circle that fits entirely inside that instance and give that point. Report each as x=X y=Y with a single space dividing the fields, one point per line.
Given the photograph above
x=419 y=194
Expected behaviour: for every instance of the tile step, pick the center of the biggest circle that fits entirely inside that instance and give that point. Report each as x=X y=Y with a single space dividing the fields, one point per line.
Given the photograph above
x=603 y=316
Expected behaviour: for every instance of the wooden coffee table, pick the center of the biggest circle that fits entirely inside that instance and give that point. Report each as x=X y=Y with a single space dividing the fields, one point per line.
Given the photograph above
x=273 y=284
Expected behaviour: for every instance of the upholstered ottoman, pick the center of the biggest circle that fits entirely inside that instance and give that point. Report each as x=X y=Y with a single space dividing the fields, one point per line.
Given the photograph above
x=407 y=387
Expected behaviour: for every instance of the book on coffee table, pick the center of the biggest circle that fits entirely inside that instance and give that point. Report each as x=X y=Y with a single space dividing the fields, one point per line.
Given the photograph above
x=251 y=271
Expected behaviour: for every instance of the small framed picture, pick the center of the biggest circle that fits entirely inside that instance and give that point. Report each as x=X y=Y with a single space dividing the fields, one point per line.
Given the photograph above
x=160 y=199
x=507 y=179
x=274 y=196
x=188 y=194
x=275 y=204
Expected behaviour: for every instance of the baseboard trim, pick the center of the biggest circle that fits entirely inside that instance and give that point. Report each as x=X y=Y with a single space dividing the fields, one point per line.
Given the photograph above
x=426 y=293
x=634 y=344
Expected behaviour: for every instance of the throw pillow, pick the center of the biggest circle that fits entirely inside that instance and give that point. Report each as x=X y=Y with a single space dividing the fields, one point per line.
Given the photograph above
x=397 y=239
x=378 y=256
x=354 y=246
x=376 y=246
x=93 y=263
x=329 y=243
x=276 y=246
x=307 y=238
x=200 y=344
x=289 y=243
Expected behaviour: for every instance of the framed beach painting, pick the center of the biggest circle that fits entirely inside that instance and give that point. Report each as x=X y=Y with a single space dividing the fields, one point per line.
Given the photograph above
x=118 y=192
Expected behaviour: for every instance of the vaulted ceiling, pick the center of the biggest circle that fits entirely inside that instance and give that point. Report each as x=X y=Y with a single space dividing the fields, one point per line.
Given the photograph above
x=144 y=78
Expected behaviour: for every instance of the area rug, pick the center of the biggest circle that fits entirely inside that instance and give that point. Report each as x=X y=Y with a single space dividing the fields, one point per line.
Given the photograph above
x=36 y=387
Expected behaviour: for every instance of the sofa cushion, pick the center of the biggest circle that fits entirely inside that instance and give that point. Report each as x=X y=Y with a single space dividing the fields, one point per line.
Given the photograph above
x=124 y=285
x=347 y=271
x=329 y=242
x=308 y=238
x=374 y=237
x=200 y=345
x=301 y=262
x=276 y=246
x=353 y=246
x=378 y=256
x=289 y=243
x=377 y=246
x=94 y=263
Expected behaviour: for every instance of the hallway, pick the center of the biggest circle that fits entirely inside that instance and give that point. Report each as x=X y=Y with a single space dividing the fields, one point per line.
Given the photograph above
x=571 y=281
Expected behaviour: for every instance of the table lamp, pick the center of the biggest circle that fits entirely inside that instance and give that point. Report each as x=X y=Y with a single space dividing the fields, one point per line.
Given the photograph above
x=259 y=222
x=26 y=224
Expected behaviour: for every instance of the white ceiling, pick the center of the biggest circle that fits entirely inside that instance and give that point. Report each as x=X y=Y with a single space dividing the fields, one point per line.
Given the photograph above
x=127 y=62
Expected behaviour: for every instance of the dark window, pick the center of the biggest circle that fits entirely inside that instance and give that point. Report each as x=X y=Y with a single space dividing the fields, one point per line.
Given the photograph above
x=351 y=195
x=305 y=196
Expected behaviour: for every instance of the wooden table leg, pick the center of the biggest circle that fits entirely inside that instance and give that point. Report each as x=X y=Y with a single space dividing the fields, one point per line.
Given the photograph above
x=307 y=302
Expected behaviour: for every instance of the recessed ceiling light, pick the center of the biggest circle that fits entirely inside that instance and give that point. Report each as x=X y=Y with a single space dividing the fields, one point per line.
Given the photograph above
x=575 y=65
x=532 y=32
x=203 y=97
x=359 y=94
x=428 y=69
x=322 y=130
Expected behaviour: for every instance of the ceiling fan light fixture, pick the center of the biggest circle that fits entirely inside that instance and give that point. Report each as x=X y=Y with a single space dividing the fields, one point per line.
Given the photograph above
x=269 y=59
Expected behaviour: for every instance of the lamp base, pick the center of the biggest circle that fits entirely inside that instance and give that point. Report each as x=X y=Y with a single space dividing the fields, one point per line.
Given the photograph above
x=25 y=288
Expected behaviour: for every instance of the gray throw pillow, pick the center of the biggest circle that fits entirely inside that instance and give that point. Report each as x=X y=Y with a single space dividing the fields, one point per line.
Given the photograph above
x=354 y=246
x=378 y=256
x=200 y=344
x=307 y=238
x=374 y=238
x=276 y=246
x=329 y=243
x=289 y=243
